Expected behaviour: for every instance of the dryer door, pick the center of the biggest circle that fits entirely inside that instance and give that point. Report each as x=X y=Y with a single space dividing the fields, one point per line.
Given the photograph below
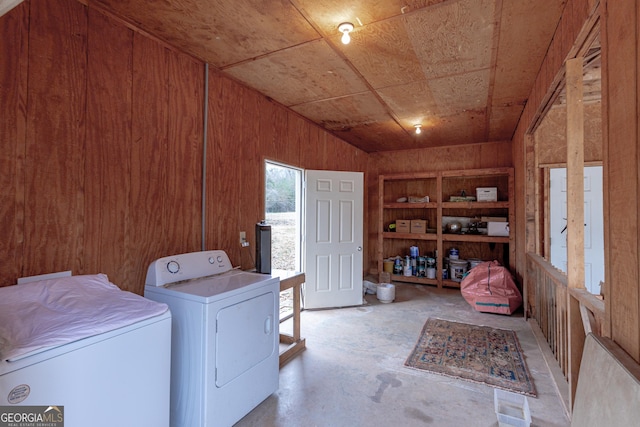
x=246 y=335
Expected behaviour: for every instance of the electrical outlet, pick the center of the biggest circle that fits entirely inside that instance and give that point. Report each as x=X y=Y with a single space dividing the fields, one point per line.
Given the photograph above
x=243 y=237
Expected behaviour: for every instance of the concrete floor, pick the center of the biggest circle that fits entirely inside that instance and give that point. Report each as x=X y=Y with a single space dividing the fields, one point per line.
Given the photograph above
x=352 y=372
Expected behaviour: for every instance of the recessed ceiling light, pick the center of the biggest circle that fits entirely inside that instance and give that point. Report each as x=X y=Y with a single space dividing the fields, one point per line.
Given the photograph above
x=345 y=28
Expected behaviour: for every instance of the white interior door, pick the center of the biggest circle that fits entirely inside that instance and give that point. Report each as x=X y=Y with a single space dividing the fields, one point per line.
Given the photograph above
x=593 y=229
x=333 y=239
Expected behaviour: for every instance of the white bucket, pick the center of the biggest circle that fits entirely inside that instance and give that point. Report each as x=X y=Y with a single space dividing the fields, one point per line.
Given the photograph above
x=386 y=292
x=457 y=268
x=473 y=262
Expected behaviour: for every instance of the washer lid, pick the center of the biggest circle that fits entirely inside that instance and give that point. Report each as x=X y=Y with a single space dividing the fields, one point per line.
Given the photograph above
x=44 y=314
x=212 y=288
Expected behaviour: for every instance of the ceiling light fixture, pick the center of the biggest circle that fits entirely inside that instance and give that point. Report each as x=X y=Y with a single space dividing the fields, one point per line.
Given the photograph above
x=345 y=28
x=418 y=129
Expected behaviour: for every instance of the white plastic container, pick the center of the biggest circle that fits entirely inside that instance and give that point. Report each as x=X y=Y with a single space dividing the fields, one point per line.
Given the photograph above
x=458 y=269
x=511 y=409
x=473 y=262
x=386 y=292
x=498 y=229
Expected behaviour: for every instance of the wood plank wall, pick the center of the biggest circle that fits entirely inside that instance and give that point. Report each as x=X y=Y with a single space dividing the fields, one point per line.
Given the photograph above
x=52 y=206
x=573 y=18
x=101 y=147
x=14 y=47
x=621 y=84
x=551 y=136
x=244 y=130
x=100 y=144
x=620 y=32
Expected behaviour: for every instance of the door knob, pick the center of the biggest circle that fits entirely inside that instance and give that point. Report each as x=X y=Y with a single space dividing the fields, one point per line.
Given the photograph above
x=359 y=248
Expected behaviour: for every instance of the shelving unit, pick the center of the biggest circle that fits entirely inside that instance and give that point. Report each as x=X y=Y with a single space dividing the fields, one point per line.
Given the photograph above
x=440 y=186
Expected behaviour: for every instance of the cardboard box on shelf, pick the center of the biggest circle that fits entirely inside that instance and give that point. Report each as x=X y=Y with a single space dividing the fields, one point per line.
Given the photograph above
x=487 y=194
x=498 y=229
x=418 y=226
x=403 y=226
x=493 y=219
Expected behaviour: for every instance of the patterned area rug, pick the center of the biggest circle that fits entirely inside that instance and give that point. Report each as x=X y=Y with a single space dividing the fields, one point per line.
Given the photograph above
x=475 y=353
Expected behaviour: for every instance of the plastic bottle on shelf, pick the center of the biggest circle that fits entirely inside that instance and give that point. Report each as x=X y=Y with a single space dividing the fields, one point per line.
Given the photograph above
x=397 y=267
x=414 y=253
x=422 y=267
x=407 y=266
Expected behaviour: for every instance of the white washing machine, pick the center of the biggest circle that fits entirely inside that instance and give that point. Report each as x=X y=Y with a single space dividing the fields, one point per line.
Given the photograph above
x=79 y=342
x=225 y=335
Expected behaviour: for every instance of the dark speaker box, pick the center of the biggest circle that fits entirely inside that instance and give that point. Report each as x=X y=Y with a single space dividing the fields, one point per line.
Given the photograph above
x=263 y=248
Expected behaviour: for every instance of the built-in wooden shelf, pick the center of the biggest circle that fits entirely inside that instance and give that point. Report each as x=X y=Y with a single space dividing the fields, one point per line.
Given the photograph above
x=440 y=186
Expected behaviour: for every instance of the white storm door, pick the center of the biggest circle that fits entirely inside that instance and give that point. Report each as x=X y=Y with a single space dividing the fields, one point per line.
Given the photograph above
x=333 y=239
x=593 y=227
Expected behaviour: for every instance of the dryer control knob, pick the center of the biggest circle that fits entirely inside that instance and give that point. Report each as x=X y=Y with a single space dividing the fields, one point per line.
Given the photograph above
x=219 y=258
x=211 y=260
x=173 y=267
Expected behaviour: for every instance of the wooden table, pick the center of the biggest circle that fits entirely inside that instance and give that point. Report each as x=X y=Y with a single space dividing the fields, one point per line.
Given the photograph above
x=291 y=279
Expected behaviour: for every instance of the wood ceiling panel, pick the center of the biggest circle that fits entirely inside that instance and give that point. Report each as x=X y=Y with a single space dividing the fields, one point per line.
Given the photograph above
x=464 y=64
x=328 y=14
x=413 y=101
x=419 y=101
x=301 y=74
x=220 y=32
x=454 y=37
x=346 y=112
x=464 y=128
x=520 y=53
x=379 y=136
x=461 y=92
x=383 y=54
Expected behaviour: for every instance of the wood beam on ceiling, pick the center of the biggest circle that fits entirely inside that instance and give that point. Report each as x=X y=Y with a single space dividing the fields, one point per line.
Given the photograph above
x=494 y=60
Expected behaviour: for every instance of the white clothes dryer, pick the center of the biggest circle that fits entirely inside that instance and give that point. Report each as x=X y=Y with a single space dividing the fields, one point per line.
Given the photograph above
x=225 y=336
